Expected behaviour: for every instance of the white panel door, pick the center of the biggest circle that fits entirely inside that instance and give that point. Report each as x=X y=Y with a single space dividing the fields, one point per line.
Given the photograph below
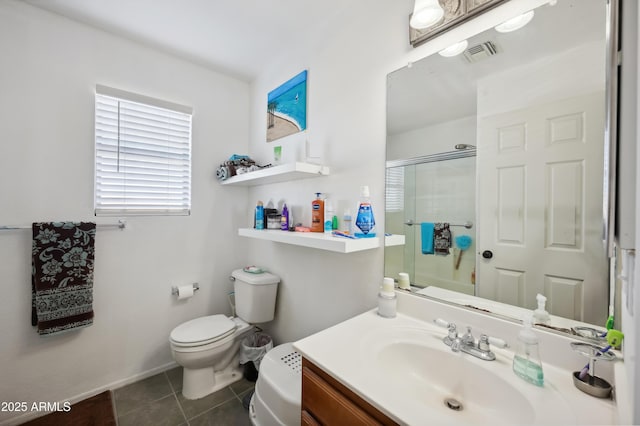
x=540 y=207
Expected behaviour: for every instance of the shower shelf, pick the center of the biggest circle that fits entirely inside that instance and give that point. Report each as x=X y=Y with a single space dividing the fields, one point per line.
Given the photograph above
x=275 y=174
x=314 y=240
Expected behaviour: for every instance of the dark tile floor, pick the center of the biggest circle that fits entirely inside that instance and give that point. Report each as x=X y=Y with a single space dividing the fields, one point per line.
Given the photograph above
x=158 y=400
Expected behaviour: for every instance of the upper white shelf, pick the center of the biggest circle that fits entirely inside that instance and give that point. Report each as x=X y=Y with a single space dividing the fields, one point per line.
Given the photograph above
x=283 y=173
x=312 y=239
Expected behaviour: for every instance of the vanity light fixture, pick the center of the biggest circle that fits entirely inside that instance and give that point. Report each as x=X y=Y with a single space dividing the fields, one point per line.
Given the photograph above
x=425 y=14
x=515 y=23
x=454 y=49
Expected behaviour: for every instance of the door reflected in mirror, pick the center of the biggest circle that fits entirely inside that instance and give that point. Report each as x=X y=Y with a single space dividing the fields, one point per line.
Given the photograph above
x=510 y=137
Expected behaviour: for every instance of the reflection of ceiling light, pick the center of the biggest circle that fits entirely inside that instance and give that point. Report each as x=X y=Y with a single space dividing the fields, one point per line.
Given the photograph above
x=515 y=23
x=425 y=14
x=454 y=49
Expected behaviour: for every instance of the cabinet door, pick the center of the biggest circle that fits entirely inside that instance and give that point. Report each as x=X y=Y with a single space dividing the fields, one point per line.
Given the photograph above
x=308 y=420
x=328 y=405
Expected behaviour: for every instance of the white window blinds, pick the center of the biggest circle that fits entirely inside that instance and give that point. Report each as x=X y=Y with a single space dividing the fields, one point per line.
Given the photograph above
x=143 y=155
x=394 y=191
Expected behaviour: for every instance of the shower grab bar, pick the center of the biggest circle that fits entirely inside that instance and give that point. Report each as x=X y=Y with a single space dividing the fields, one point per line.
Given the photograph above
x=120 y=225
x=468 y=224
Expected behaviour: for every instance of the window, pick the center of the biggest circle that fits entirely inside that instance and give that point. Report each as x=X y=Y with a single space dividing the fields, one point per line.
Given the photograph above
x=394 y=194
x=143 y=155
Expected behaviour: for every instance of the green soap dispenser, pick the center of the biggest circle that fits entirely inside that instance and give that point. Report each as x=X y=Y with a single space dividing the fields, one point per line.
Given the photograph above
x=526 y=361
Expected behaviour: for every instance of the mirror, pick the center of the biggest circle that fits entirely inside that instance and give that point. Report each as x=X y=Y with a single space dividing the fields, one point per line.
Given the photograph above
x=505 y=143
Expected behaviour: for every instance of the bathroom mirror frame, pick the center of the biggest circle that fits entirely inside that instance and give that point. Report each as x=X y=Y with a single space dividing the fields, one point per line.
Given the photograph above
x=610 y=153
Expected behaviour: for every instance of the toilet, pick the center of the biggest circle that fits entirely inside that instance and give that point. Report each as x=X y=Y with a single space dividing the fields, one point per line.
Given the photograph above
x=208 y=347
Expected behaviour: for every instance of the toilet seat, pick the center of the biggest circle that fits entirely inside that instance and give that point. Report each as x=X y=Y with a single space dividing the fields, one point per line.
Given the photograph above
x=202 y=331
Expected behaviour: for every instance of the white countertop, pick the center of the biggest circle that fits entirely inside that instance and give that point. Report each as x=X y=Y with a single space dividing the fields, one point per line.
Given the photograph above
x=347 y=351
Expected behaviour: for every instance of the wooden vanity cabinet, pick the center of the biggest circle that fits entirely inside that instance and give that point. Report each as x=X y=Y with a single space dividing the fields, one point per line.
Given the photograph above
x=325 y=401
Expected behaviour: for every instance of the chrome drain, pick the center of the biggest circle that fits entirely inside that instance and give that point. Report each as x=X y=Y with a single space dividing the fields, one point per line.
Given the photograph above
x=453 y=404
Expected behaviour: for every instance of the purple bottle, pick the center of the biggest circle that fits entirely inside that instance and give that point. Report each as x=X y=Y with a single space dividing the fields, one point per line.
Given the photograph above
x=284 y=220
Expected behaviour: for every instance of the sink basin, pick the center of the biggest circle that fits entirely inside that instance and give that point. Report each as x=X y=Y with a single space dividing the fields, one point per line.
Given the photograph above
x=457 y=388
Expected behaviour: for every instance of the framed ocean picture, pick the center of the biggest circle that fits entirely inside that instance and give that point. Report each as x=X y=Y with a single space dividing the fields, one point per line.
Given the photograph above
x=287 y=108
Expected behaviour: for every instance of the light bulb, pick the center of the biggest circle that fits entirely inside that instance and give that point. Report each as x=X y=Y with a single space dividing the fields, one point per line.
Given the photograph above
x=515 y=23
x=425 y=14
x=454 y=49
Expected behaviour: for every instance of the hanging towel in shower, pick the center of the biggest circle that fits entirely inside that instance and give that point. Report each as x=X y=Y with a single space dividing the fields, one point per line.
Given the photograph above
x=62 y=276
x=442 y=239
x=426 y=235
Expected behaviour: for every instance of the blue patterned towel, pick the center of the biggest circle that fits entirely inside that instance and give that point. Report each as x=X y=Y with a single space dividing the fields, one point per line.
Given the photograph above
x=62 y=276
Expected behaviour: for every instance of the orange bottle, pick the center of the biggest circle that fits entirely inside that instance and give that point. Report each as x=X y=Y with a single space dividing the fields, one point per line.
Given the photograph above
x=317 y=214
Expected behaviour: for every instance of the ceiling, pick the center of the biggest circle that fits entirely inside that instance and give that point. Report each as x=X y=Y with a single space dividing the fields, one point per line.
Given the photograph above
x=436 y=89
x=230 y=36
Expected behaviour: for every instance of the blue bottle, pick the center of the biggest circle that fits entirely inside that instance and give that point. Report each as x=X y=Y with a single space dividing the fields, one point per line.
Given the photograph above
x=259 y=216
x=365 y=221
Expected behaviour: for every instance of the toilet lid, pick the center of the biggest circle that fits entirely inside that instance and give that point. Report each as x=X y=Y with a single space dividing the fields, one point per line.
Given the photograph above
x=203 y=329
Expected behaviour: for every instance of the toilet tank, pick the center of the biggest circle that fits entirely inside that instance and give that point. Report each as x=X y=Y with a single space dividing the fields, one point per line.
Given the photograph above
x=255 y=295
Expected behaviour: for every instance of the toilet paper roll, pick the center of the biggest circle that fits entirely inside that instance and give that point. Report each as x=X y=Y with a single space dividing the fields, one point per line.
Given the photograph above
x=185 y=292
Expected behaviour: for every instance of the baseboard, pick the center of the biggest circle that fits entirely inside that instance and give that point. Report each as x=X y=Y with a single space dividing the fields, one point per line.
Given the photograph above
x=14 y=421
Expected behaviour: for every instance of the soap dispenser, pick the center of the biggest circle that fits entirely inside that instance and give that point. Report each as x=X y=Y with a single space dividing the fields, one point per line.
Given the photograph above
x=387 y=300
x=526 y=361
x=540 y=314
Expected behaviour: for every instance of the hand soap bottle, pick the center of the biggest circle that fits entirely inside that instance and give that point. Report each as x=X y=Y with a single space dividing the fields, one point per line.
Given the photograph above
x=540 y=314
x=387 y=300
x=526 y=361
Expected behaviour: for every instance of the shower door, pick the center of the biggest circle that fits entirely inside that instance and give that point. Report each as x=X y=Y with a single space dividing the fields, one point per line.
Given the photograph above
x=438 y=189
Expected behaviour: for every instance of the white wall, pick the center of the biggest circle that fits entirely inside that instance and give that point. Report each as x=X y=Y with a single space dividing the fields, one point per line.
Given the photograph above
x=346 y=125
x=432 y=139
x=495 y=91
x=49 y=69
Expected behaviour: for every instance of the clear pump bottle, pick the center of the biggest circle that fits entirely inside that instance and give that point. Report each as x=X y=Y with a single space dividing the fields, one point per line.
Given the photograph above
x=526 y=361
x=387 y=300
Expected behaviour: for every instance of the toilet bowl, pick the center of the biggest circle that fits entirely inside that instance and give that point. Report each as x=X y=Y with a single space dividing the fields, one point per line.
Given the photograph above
x=208 y=347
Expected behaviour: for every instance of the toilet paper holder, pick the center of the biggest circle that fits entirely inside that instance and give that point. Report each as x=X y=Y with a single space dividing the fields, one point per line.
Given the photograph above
x=174 y=289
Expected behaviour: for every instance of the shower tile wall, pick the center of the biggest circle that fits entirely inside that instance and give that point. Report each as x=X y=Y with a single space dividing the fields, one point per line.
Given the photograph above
x=443 y=191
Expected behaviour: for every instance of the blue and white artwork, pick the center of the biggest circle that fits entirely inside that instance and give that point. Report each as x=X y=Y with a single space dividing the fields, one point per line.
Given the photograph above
x=287 y=108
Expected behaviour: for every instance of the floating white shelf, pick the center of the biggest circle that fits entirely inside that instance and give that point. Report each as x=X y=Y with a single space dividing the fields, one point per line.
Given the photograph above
x=394 y=240
x=312 y=240
x=283 y=173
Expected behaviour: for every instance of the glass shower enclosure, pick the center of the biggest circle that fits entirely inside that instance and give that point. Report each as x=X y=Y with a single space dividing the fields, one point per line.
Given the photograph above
x=432 y=189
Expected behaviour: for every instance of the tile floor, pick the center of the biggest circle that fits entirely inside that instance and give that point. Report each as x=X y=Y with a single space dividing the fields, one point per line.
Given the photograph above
x=158 y=400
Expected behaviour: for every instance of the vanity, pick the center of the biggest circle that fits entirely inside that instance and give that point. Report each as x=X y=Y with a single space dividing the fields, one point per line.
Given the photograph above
x=374 y=370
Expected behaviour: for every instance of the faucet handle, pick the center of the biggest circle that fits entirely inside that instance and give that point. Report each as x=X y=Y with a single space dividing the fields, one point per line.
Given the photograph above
x=484 y=341
x=453 y=331
x=500 y=343
x=441 y=323
x=452 y=336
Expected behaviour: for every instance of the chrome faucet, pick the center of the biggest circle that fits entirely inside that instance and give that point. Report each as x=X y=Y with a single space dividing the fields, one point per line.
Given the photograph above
x=467 y=343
